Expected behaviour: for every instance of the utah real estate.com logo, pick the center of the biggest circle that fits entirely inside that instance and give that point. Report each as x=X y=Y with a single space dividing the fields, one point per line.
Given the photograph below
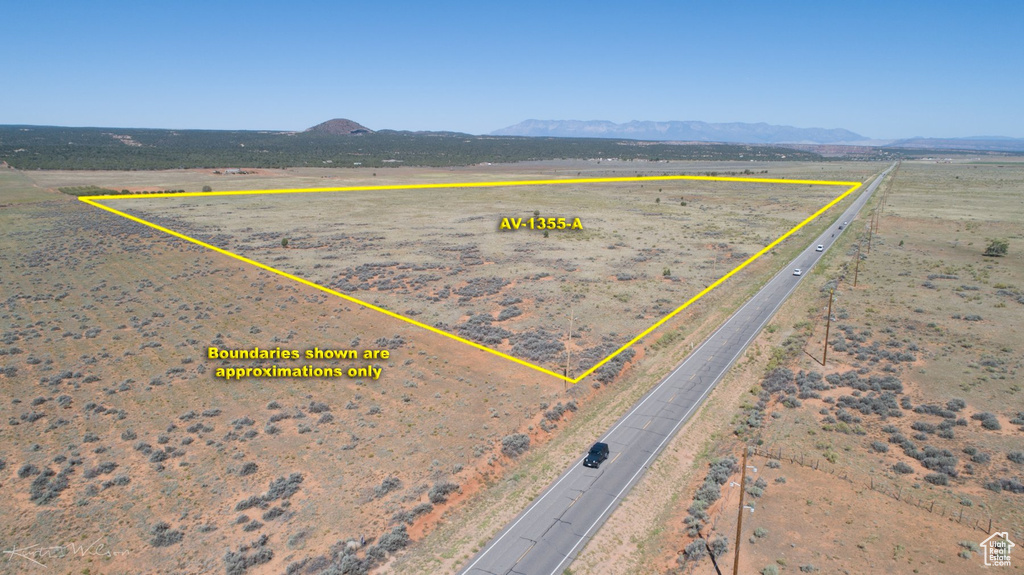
x=997 y=549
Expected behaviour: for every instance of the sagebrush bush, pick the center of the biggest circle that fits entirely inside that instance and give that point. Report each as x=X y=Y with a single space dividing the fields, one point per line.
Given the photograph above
x=440 y=491
x=515 y=444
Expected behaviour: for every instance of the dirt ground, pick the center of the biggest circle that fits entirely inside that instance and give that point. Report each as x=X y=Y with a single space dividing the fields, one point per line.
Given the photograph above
x=910 y=488
x=441 y=257
x=117 y=432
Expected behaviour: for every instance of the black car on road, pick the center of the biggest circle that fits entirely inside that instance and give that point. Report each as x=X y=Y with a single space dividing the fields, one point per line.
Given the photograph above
x=597 y=454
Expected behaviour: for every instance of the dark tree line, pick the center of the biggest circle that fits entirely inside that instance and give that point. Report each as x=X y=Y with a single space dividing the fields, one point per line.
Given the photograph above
x=44 y=147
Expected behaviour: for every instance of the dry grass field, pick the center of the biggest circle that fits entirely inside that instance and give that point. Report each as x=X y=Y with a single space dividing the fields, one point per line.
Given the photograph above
x=439 y=255
x=896 y=455
x=115 y=430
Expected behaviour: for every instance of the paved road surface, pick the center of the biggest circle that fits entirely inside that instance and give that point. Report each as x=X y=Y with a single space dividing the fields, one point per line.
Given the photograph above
x=545 y=538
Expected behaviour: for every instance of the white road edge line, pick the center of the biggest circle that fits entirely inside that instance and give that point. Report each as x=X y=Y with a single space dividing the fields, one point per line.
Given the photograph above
x=657 y=451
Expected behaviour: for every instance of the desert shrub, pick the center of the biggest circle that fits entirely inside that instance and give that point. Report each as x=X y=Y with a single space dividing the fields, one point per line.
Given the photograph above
x=719 y=545
x=128 y=435
x=282 y=488
x=923 y=426
x=879 y=446
x=250 y=555
x=318 y=407
x=509 y=313
x=997 y=248
x=395 y=540
x=956 y=404
x=390 y=483
x=941 y=460
x=808 y=568
x=1016 y=456
x=440 y=491
x=937 y=479
x=696 y=550
x=101 y=469
x=403 y=516
x=1012 y=485
x=773 y=464
x=760 y=532
x=164 y=536
x=515 y=444
x=27 y=470
x=770 y=570
x=932 y=409
x=902 y=468
x=988 y=420
x=250 y=502
x=721 y=469
x=248 y=468
x=47 y=486
x=119 y=481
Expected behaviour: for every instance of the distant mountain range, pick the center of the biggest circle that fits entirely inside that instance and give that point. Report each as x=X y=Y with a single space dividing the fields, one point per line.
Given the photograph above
x=733 y=132
x=738 y=132
x=980 y=143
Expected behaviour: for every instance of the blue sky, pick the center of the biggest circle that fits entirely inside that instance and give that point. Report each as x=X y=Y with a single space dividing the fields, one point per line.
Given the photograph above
x=940 y=69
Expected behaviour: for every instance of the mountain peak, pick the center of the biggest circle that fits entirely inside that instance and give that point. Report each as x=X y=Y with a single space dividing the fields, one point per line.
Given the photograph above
x=340 y=127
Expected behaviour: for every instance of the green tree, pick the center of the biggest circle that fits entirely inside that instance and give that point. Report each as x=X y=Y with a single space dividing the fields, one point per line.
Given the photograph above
x=997 y=248
x=284 y=242
x=207 y=189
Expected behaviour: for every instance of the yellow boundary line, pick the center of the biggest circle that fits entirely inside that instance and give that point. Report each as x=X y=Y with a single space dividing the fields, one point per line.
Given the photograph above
x=93 y=201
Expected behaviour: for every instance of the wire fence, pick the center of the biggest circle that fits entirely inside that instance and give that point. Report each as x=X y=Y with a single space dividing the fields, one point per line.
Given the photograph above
x=881 y=485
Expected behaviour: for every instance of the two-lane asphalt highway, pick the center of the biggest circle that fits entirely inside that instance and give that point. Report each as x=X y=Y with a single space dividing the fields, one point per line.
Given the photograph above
x=545 y=538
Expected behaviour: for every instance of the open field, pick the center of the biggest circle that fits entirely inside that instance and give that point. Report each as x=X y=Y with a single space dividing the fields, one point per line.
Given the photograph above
x=914 y=426
x=441 y=256
x=115 y=426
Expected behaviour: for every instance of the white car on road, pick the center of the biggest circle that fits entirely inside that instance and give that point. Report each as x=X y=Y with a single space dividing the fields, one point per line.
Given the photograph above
x=796 y=272
x=820 y=248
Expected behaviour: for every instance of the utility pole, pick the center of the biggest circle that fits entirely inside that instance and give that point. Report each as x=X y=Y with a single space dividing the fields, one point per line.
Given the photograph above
x=856 y=268
x=828 y=324
x=739 y=520
x=568 y=344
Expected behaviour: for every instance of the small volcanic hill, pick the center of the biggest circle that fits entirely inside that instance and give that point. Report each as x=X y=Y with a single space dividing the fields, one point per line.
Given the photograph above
x=340 y=126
